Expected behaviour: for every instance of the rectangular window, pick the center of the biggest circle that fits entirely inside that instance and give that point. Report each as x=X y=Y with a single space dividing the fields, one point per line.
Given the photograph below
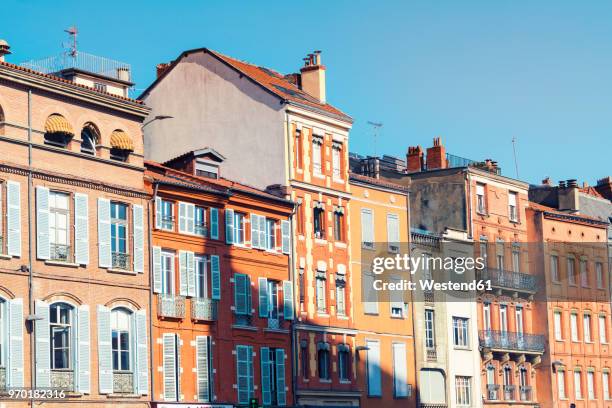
x=503 y=318
x=59 y=226
x=516 y=260
x=299 y=151
x=61 y=336
x=574 y=326
x=319 y=223
x=512 y=207
x=577 y=385
x=167 y=215
x=486 y=314
x=239 y=220
x=558 y=327
x=367 y=228
x=480 y=199
x=244 y=373
x=207 y=170
x=554 y=268
x=317 y=154
x=320 y=292
x=270 y=234
x=518 y=321
x=393 y=233
x=463 y=391
x=603 y=332
x=430 y=340
x=340 y=297
x=400 y=371
x=338 y=226
x=119 y=232
x=336 y=160
x=605 y=382
x=201 y=270
x=584 y=277
x=200 y=221
x=305 y=359
x=483 y=251
x=591 y=384
x=586 y=323
x=599 y=275
x=300 y=218
x=571 y=275
x=460 y=331
x=373 y=368
x=167 y=260
x=561 y=384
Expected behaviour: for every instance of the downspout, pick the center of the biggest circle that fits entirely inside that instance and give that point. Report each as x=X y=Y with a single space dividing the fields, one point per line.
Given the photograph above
x=414 y=354
x=150 y=234
x=30 y=275
x=469 y=204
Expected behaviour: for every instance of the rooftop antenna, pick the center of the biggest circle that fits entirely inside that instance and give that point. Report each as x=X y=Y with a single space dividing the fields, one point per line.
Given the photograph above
x=515 y=159
x=375 y=127
x=72 y=45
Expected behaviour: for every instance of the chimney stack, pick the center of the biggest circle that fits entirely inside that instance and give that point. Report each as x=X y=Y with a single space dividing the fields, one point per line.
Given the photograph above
x=604 y=187
x=415 y=159
x=436 y=155
x=568 y=195
x=313 y=76
x=547 y=181
x=5 y=49
x=161 y=68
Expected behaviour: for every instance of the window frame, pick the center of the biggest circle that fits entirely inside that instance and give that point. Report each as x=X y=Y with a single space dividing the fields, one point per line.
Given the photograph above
x=55 y=308
x=168 y=258
x=119 y=350
x=461 y=332
x=463 y=391
x=481 y=201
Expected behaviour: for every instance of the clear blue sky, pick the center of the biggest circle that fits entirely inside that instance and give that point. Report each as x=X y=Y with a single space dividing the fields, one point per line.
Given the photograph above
x=476 y=73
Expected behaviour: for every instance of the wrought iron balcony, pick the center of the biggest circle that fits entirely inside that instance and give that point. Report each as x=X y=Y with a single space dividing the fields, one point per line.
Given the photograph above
x=123 y=383
x=431 y=354
x=203 y=309
x=172 y=306
x=121 y=261
x=431 y=405
x=512 y=341
x=492 y=392
x=525 y=392
x=167 y=223
x=60 y=253
x=509 y=280
x=2 y=379
x=509 y=392
x=62 y=380
x=1 y=245
x=201 y=229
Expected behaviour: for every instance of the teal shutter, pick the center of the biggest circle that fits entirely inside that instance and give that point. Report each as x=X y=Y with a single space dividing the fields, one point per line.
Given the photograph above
x=83 y=353
x=183 y=273
x=15 y=348
x=266 y=394
x=214 y=223
x=240 y=293
x=81 y=229
x=263 y=297
x=286 y=236
x=13 y=217
x=105 y=353
x=244 y=373
x=215 y=277
x=42 y=335
x=157 y=270
x=288 y=300
x=281 y=393
x=42 y=223
x=142 y=354
x=229 y=226
x=138 y=224
x=203 y=369
x=104 y=233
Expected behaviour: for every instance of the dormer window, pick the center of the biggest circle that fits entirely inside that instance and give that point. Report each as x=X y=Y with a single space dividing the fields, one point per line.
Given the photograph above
x=206 y=169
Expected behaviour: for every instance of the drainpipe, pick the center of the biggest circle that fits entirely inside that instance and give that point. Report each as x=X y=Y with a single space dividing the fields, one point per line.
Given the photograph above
x=414 y=354
x=469 y=204
x=30 y=277
x=150 y=237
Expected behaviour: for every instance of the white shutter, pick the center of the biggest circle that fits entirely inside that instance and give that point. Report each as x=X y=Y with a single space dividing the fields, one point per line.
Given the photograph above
x=138 y=227
x=84 y=363
x=15 y=339
x=400 y=370
x=202 y=368
x=81 y=229
x=281 y=393
x=286 y=236
x=393 y=233
x=142 y=353
x=266 y=395
x=42 y=223
x=182 y=224
x=43 y=348
x=263 y=297
x=169 y=364
x=105 y=353
x=157 y=270
x=13 y=215
x=183 y=273
x=190 y=219
x=367 y=227
x=214 y=223
x=263 y=233
x=229 y=226
x=158 y=213
x=104 y=233
x=255 y=236
x=288 y=300
x=373 y=368
x=191 y=275
x=215 y=277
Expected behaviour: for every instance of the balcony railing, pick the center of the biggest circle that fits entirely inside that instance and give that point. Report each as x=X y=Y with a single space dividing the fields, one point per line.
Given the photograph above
x=512 y=341
x=60 y=253
x=504 y=279
x=1 y=245
x=2 y=379
x=509 y=392
x=525 y=392
x=121 y=261
x=201 y=229
x=170 y=306
x=62 y=380
x=123 y=383
x=167 y=222
x=203 y=309
x=492 y=392
x=431 y=354
x=431 y=405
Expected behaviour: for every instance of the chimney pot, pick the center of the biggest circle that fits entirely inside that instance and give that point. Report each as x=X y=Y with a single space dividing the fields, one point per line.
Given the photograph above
x=5 y=49
x=415 y=159
x=436 y=155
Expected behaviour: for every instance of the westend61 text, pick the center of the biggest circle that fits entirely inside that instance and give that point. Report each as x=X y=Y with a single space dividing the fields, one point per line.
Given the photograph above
x=431 y=285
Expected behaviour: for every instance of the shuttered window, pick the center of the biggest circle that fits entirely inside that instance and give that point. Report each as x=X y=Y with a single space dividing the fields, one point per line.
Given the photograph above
x=244 y=373
x=203 y=368
x=393 y=232
x=214 y=223
x=373 y=368
x=186 y=218
x=13 y=216
x=187 y=273
x=242 y=294
x=400 y=371
x=215 y=277
x=104 y=233
x=367 y=228
x=81 y=229
x=286 y=236
x=171 y=366
x=105 y=361
x=12 y=333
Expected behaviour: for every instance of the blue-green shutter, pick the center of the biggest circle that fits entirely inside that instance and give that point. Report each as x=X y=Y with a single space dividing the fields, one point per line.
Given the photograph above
x=215 y=277
x=263 y=297
x=288 y=300
x=281 y=393
x=244 y=373
x=266 y=395
x=229 y=226
x=286 y=236
x=214 y=223
x=240 y=293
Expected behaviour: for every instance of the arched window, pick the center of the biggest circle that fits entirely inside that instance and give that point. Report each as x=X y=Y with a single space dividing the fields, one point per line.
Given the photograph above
x=323 y=361
x=2 y=119
x=492 y=387
x=121 y=328
x=121 y=145
x=58 y=132
x=61 y=321
x=90 y=137
x=344 y=362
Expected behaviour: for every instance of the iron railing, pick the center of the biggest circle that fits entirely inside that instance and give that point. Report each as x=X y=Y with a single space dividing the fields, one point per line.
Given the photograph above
x=203 y=309
x=525 y=392
x=201 y=229
x=83 y=61
x=121 y=261
x=2 y=379
x=509 y=392
x=62 y=380
x=492 y=392
x=431 y=405
x=167 y=222
x=123 y=383
x=431 y=354
x=172 y=306
x=502 y=278
x=512 y=341
x=59 y=253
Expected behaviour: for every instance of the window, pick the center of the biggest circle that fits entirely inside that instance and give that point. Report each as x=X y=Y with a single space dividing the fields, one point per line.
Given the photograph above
x=201 y=269
x=591 y=384
x=270 y=234
x=491 y=376
x=599 y=275
x=605 y=382
x=367 y=228
x=305 y=359
x=119 y=154
x=320 y=282
x=480 y=199
x=558 y=327
x=319 y=223
x=239 y=220
x=603 y=332
x=273 y=302
x=317 y=142
x=167 y=263
x=300 y=218
x=244 y=373
x=167 y=215
x=200 y=221
x=483 y=250
x=554 y=268
x=61 y=322
x=577 y=385
x=500 y=260
x=341 y=295
x=89 y=139
x=507 y=375
x=119 y=226
x=336 y=160
x=518 y=319
x=323 y=361
x=584 y=277
x=207 y=170
x=98 y=86
x=400 y=371
x=430 y=341
x=393 y=232
x=463 y=390
x=561 y=384
x=571 y=276
x=503 y=318
x=59 y=231
x=460 y=331
x=486 y=313
x=338 y=226
x=344 y=362
x=373 y=368
x=120 y=332
x=512 y=208
x=299 y=150
x=574 y=326
x=516 y=260
x=586 y=322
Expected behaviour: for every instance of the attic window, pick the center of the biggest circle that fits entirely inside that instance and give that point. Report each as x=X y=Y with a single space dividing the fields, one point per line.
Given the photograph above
x=207 y=170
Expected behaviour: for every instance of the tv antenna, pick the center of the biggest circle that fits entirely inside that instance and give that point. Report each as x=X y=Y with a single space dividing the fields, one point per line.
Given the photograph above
x=375 y=127
x=515 y=159
x=72 y=45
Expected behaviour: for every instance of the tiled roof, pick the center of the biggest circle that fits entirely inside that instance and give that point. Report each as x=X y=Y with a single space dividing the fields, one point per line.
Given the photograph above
x=378 y=182
x=591 y=191
x=65 y=81
x=554 y=211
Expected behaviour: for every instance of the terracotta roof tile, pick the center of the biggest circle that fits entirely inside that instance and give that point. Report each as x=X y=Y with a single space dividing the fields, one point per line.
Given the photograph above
x=378 y=182
x=591 y=191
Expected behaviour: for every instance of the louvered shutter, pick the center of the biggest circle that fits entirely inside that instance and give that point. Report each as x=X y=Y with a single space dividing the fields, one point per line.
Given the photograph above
x=13 y=216
x=142 y=353
x=190 y=219
x=393 y=232
x=214 y=223
x=81 y=229
x=158 y=213
x=262 y=233
x=157 y=270
x=263 y=297
x=104 y=233
x=182 y=217
x=191 y=276
x=183 y=273
x=169 y=364
x=15 y=339
x=288 y=300
x=42 y=223
x=202 y=368
x=244 y=373
x=105 y=353
x=240 y=293
x=138 y=226
x=266 y=394
x=367 y=227
x=281 y=393
x=286 y=236
x=215 y=277
x=229 y=226
x=400 y=370
x=84 y=362
x=43 y=348
x=255 y=237
x=373 y=368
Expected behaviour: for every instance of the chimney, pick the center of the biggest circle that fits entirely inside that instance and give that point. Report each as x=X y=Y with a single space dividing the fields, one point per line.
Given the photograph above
x=313 y=76
x=547 y=181
x=294 y=79
x=161 y=68
x=436 y=155
x=568 y=195
x=5 y=49
x=123 y=74
x=415 y=159
x=604 y=187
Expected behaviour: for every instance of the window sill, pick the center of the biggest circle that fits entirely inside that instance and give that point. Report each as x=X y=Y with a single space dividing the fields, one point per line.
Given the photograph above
x=321 y=380
x=322 y=314
x=462 y=348
x=131 y=396
x=121 y=272
x=269 y=330
x=319 y=176
x=484 y=214
x=320 y=241
x=397 y=317
x=344 y=381
x=60 y=263
x=342 y=317
x=337 y=180
x=340 y=244
x=242 y=327
x=5 y=256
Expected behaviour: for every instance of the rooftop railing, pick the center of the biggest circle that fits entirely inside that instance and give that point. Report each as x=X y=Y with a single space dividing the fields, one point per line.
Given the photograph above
x=82 y=61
